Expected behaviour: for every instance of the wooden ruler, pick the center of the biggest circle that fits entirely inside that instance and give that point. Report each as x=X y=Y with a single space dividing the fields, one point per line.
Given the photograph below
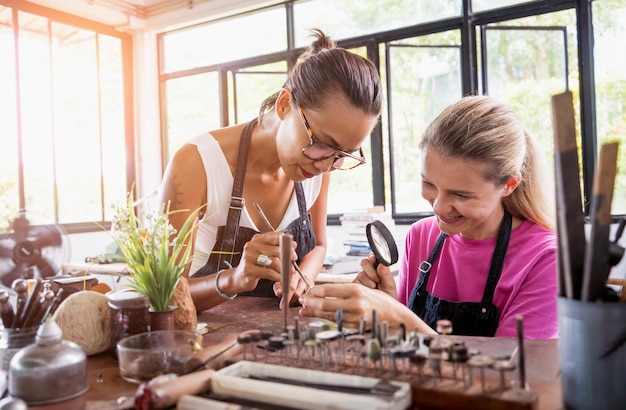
x=570 y=217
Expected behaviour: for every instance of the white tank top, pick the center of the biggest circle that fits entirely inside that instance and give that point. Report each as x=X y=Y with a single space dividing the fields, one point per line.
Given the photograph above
x=220 y=181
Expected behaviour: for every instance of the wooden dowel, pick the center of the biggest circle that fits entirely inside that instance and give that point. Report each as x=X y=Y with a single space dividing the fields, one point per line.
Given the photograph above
x=616 y=281
x=6 y=310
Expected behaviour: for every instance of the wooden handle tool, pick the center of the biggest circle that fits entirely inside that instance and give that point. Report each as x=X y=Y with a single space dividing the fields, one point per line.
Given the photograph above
x=285 y=273
x=32 y=305
x=570 y=217
x=6 y=310
x=597 y=266
x=21 y=288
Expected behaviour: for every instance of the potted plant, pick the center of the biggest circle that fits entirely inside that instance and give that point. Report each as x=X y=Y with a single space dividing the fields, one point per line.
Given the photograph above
x=156 y=254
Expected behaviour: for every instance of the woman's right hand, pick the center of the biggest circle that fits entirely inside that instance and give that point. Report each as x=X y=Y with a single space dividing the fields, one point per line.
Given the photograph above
x=249 y=271
x=379 y=277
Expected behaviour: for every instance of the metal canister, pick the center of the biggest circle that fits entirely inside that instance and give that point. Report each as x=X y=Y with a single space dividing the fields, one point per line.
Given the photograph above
x=50 y=370
x=129 y=315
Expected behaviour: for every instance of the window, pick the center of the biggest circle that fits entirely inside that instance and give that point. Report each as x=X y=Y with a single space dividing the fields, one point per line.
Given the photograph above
x=430 y=54
x=525 y=62
x=609 y=21
x=186 y=120
x=226 y=40
x=423 y=76
x=65 y=152
x=351 y=18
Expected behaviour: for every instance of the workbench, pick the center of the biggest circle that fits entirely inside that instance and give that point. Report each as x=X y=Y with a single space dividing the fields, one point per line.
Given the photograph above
x=246 y=313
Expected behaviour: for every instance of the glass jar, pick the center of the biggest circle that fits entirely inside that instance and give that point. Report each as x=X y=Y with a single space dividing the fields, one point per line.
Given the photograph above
x=11 y=341
x=129 y=315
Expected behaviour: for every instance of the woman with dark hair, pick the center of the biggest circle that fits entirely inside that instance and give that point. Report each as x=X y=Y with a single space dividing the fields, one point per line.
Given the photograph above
x=315 y=124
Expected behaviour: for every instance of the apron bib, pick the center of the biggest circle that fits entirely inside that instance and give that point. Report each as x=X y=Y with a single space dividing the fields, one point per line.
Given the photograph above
x=231 y=238
x=468 y=318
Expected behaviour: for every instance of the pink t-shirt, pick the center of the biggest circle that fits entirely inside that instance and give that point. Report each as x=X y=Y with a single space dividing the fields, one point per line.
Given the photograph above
x=527 y=286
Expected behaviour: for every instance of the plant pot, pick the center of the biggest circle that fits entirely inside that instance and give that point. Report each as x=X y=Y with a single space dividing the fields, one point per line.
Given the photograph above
x=162 y=319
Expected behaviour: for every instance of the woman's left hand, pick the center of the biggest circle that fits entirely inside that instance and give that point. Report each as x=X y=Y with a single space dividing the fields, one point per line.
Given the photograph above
x=297 y=287
x=357 y=301
x=379 y=277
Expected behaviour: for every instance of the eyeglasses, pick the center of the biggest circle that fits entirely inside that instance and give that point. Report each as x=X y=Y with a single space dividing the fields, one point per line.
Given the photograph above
x=318 y=150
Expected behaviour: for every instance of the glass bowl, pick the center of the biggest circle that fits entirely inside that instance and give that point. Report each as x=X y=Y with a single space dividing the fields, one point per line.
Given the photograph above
x=144 y=356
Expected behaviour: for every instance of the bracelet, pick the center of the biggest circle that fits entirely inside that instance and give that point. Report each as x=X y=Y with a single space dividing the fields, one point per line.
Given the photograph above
x=217 y=287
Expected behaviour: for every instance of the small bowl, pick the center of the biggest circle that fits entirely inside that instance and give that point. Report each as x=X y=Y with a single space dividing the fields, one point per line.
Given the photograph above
x=144 y=356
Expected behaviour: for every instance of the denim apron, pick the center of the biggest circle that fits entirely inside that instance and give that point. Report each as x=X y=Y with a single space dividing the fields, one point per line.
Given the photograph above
x=468 y=318
x=231 y=238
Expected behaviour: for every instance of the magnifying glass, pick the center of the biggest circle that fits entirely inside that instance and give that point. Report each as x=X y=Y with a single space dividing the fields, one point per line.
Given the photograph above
x=382 y=243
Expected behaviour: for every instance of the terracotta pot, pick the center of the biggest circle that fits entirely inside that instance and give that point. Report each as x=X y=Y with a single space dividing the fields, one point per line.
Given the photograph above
x=162 y=319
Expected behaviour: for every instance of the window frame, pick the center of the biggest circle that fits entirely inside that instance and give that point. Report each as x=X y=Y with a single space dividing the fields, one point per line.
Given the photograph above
x=126 y=42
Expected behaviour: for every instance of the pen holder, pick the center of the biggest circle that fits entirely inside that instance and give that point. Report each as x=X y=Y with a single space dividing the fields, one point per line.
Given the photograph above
x=12 y=341
x=592 y=354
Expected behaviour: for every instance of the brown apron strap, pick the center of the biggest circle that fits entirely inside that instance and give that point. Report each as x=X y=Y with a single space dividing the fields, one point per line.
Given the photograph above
x=237 y=202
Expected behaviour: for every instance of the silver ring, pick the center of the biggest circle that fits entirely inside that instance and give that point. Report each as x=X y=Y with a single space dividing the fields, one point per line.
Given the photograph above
x=263 y=260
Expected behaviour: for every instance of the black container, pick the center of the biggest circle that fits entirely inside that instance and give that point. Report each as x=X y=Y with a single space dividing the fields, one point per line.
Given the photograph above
x=592 y=353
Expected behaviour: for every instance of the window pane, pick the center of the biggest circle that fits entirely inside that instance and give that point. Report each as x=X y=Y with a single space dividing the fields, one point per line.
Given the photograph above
x=76 y=123
x=425 y=77
x=225 y=40
x=352 y=18
x=113 y=125
x=253 y=85
x=609 y=22
x=36 y=120
x=482 y=5
x=68 y=138
x=192 y=106
x=9 y=197
x=525 y=67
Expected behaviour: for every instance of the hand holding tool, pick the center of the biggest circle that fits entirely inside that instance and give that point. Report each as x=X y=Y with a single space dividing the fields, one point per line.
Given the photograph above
x=271 y=228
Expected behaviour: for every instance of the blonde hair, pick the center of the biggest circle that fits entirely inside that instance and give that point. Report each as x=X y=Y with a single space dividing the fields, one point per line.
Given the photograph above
x=480 y=128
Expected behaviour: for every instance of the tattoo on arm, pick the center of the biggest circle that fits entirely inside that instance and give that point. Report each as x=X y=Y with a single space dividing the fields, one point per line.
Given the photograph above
x=173 y=191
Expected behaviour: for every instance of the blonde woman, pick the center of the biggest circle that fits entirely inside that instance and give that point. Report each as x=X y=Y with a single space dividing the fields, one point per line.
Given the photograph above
x=489 y=252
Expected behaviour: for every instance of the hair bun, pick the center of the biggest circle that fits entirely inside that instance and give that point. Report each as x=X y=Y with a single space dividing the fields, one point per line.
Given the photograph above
x=322 y=42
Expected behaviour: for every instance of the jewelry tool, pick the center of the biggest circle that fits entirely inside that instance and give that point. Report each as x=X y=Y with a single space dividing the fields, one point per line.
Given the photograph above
x=570 y=218
x=21 y=288
x=596 y=264
x=271 y=228
x=6 y=310
x=520 y=345
x=285 y=269
x=32 y=304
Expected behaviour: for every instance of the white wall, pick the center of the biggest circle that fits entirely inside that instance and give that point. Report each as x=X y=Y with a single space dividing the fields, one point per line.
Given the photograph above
x=88 y=245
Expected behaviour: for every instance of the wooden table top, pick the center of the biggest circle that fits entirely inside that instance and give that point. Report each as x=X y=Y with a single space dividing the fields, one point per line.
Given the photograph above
x=246 y=313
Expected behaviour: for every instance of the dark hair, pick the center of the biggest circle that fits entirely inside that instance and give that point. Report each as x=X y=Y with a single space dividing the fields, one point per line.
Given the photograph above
x=325 y=69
